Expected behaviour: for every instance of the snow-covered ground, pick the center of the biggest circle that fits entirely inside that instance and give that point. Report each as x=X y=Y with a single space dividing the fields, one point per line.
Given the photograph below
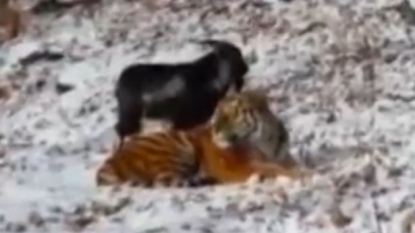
x=342 y=77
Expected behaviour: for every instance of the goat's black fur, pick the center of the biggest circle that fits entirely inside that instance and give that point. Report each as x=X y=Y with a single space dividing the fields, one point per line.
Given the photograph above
x=184 y=94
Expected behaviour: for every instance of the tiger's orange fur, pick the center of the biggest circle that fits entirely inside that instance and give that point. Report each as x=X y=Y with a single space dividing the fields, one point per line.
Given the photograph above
x=191 y=158
x=238 y=162
x=242 y=139
x=248 y=115
x=160 y=157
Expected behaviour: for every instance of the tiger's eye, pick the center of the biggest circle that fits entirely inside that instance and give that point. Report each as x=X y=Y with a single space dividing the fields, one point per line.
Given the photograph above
x=232 y=137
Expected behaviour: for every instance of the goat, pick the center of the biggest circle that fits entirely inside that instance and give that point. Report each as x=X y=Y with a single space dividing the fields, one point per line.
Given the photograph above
x=183 y=94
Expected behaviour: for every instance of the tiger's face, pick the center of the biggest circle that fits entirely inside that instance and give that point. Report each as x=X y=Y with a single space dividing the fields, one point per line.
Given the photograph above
x=237 y=118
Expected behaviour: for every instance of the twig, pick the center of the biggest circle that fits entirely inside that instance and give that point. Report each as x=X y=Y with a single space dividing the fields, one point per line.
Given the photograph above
x=40 y=55
x=376 y=210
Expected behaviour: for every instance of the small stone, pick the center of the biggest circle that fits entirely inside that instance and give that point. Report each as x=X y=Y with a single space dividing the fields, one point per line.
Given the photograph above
x=331 y=118
x=339 y=219
x=81 y=222
x=391 y=57
x=5 y=92
x=35 y=219
x=186 y=227
x=40 y=84
x=56 y=209
x=15 y=227
x=2 y=152
x=62 y=88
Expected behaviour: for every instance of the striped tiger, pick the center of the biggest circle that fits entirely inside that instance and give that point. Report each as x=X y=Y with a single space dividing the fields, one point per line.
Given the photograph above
x=247 y=117
x=216 y=153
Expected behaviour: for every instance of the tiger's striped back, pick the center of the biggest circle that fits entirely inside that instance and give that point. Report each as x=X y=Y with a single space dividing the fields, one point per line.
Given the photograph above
x=160 y=159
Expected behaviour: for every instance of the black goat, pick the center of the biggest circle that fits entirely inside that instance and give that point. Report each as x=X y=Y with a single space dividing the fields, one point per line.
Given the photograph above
x=184 y=94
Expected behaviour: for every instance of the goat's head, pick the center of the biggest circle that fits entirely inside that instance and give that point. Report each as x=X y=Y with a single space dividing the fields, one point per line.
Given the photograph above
x=232 y=56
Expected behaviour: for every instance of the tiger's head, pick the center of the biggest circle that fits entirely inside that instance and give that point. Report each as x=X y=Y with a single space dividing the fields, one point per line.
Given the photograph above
x=237 y=117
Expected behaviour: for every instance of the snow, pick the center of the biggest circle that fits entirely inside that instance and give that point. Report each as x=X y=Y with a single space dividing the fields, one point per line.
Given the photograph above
x=349 y=111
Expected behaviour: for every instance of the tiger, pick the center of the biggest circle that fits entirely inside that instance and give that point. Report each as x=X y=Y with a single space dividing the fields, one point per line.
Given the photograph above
x=215 y=153
x=248 y=116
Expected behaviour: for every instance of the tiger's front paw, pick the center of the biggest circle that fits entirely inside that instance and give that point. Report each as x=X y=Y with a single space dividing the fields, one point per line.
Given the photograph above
x=297 y=173
x=303 y=173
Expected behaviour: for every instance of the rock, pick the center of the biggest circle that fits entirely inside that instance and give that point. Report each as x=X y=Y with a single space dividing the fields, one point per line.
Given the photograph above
x=5 y=92
x=62 y=88
x=36 y=219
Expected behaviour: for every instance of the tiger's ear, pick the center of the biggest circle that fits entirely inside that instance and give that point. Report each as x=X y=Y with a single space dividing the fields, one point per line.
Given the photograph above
x=258 y=98
x=231 y=91
x=219 y=108
x=215 y=114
